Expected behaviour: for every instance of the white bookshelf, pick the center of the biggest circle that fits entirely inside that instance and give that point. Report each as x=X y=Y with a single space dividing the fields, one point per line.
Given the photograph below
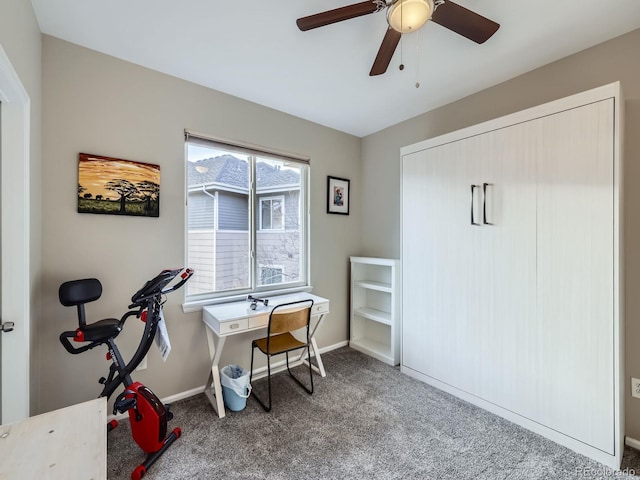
x=375 y=308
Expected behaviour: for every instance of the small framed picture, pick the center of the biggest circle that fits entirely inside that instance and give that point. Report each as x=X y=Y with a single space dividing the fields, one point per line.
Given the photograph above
x=338 y=195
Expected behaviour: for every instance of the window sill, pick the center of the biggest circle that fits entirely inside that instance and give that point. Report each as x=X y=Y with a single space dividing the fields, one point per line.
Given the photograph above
x=196 y=306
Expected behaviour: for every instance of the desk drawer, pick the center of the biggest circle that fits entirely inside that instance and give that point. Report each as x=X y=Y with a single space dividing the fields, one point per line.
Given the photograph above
x=235 y=326
x=259 y=321
x=321 y=308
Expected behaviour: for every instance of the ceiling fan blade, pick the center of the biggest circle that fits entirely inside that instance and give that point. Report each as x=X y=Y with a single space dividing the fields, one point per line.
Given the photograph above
x=464 y=22
x=388 y=47
x=336 y=15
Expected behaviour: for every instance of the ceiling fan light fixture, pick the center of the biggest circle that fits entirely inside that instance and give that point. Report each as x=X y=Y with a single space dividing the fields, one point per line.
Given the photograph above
x=407 y=16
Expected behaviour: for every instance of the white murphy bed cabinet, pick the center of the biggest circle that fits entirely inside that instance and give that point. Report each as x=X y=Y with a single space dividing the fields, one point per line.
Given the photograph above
x=511 y=257
x=375 y=308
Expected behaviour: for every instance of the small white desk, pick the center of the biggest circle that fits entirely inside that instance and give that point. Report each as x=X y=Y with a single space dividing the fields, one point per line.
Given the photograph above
x=234 y=318
x=66 y=444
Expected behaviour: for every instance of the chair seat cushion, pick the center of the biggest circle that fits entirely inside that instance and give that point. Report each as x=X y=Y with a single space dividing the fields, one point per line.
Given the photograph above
x=284 y=342
x=101 y=330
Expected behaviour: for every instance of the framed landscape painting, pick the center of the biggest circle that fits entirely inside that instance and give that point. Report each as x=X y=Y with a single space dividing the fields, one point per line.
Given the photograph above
x=118 y=187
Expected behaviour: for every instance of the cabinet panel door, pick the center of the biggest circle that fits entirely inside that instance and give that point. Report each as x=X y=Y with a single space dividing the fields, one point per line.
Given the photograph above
x=436 y=258
x=504 y=279
x=575 y=274
x=455 y=341
x=419 y=196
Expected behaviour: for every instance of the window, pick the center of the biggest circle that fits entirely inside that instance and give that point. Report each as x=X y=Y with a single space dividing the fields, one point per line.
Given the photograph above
x=246 y=220
x=272 y=213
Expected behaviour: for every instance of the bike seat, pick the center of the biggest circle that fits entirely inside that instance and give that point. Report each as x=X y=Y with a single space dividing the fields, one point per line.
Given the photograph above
x=101 y=330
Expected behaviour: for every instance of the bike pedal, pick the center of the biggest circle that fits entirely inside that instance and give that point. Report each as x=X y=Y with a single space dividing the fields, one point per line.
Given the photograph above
x=124 y=404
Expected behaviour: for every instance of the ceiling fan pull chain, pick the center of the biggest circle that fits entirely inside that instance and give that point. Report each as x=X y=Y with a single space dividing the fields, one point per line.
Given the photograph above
x=418 y=59
x=401 y=67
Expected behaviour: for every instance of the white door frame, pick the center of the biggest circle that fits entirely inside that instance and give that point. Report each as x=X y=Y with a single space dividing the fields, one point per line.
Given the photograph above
x=14 y=140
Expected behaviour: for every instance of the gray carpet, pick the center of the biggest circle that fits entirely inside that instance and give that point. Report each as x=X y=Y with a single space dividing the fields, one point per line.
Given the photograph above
x=365 y=420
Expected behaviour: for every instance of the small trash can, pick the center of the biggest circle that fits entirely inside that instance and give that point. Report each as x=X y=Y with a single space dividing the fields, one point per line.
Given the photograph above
x=235 y=387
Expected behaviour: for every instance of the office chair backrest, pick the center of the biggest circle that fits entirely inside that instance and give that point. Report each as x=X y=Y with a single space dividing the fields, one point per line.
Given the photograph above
x=291 y=318
x=79 y=292
x=76 y=292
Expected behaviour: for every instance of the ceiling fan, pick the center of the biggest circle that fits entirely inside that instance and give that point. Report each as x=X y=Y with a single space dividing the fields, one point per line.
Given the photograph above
x=405 y=16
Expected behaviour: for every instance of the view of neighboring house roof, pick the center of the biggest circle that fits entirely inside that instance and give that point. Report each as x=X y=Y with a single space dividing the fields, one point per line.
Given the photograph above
x=225 y=169
x=232 y=171
x=272 y=175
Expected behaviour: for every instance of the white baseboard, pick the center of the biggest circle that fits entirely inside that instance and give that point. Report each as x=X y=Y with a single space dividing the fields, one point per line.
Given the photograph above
x=182 y=395
x=335 y=346
x=632 y=442
x=257 y=373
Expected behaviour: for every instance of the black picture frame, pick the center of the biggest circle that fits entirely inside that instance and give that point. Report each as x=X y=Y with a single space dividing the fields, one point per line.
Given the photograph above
x=338 y=195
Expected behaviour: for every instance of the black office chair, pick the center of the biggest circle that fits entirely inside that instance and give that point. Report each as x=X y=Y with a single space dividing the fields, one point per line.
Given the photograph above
x=283 y=320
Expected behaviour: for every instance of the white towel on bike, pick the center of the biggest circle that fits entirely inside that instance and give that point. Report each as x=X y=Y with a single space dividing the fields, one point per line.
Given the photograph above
x=162 y=338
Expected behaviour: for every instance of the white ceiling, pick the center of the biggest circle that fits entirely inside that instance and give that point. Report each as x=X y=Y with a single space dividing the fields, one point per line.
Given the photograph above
x=252 y=49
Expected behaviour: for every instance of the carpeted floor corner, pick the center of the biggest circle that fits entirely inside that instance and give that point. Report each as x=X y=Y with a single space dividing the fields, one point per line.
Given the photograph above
x=365 y=420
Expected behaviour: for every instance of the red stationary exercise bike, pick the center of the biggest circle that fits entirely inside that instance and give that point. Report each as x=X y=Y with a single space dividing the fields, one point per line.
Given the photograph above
x=147 y=415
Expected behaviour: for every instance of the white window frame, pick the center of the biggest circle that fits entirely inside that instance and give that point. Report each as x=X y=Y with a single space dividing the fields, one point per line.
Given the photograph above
x=195 y=302
x=271 y=198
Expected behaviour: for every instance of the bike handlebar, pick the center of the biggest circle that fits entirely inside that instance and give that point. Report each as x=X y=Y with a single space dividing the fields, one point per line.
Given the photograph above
x=155 y=286
x=186 y=275
x=64 y=339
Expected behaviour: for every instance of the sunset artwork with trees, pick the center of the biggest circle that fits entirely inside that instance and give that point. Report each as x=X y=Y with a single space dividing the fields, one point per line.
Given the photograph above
x=118 y=187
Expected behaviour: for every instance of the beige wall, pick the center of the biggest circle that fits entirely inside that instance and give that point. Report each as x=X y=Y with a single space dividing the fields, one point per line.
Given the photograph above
x=97 y=104
x=611 y=61
x=20 y=39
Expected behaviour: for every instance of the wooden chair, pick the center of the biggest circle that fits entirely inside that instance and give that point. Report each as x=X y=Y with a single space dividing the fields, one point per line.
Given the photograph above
x=283 y=320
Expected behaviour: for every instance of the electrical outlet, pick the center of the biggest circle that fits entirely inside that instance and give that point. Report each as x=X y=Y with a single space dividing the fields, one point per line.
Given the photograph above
x=143 y=364
x=635 y=387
